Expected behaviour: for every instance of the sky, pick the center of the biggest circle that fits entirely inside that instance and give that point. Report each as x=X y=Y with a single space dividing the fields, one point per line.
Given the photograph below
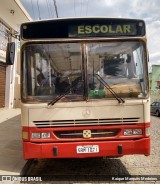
x=148 y=10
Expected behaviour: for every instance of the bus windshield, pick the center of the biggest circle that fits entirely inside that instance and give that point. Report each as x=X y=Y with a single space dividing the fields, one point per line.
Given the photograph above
x=78 y=69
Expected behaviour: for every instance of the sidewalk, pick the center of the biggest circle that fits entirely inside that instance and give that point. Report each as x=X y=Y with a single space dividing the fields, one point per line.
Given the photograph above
x=11 y=158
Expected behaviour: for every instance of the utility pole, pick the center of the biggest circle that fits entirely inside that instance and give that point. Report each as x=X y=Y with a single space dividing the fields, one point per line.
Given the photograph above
x=39 y=11
x=55 y=6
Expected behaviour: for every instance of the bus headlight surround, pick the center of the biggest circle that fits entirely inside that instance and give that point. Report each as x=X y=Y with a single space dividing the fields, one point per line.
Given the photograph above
x=40 y=135
x=136 y=131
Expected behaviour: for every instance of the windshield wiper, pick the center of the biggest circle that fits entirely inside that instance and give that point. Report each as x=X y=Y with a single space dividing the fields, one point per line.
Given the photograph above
x=119 y=99
x=66 y=92
x=58 y=98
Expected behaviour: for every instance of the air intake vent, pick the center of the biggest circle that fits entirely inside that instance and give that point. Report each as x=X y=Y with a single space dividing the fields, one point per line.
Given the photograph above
x=85 y=122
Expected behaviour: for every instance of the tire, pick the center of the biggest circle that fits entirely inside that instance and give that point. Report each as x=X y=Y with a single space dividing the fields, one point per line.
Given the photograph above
x=157 y=113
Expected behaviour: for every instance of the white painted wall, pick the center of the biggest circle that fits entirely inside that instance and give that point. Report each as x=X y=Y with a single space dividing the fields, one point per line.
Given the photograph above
x=12 y=14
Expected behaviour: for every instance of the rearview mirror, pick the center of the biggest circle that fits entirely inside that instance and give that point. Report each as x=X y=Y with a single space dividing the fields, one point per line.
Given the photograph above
x=10 y=53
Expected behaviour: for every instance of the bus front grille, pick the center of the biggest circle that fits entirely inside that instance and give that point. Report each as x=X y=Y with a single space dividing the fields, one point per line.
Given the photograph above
x=85 y=122
x=73 y=134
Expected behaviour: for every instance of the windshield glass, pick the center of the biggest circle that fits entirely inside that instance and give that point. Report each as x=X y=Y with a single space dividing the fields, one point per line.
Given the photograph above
x=51 y=70
x=120 y=65
x=79 y=71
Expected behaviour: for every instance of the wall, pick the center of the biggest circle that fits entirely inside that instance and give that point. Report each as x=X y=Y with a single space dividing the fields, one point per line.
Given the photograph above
x=2 y=84
x=12 y=14
x=155 y=76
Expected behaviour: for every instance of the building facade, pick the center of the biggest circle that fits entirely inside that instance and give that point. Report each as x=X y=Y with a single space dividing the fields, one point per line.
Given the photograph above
x=12 y=14
x=155 y=83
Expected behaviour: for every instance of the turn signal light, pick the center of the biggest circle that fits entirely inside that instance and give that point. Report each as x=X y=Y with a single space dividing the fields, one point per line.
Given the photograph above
x=25 y=135
x=148 y=131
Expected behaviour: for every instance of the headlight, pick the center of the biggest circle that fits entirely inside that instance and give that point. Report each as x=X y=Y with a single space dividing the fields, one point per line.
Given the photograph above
x=127 y=131
x=45 y=135
x=137 y=131
x=36 y=135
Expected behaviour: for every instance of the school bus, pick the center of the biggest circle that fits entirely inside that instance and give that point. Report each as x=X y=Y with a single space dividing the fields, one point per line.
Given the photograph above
x=84 y=88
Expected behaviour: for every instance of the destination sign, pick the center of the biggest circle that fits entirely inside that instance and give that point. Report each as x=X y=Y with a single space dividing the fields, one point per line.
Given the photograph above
x=102 y=30
x=82 y=28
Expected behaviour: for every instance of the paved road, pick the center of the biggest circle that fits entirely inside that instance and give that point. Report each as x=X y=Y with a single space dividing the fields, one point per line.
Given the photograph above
x=91 y=170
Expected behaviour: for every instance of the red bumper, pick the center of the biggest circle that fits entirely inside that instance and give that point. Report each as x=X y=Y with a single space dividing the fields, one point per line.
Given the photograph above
x=68 y=150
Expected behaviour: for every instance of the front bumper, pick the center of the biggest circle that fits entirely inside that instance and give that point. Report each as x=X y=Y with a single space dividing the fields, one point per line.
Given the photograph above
x=68 y=150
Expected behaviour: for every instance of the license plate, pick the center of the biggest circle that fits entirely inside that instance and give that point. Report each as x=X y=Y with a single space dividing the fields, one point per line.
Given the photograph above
x=88 y=149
